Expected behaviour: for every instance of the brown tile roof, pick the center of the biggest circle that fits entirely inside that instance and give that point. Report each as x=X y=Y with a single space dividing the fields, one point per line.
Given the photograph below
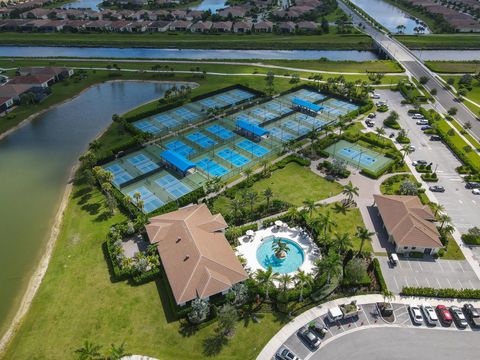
x=198 y=260
x=408 y=221
x=13 y=90
x=31 y=79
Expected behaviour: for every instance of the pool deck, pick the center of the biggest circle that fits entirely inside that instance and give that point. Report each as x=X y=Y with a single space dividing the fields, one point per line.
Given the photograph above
x=248 y=247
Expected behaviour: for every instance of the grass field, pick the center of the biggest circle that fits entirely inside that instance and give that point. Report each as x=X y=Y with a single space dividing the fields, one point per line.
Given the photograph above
x=293 y=184
x=77 y=301
x=452 y=67
x=441 y=41
x=193 y=41
x=473 y=95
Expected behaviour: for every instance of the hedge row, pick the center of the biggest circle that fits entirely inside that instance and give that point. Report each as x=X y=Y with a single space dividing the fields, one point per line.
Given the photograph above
x=441 y=293
x=377 y=270
x=191 y=197
x=471 y=239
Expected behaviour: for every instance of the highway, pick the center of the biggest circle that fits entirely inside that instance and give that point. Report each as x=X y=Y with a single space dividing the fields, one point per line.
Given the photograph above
x=445 y=99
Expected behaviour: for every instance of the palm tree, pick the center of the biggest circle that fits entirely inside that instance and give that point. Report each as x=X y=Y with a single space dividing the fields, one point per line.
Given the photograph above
x=437 y=208
x=406 y=150
x=285 y=280
x=236 y=206
x=266 y=278
x=264 y=163
x=380 y=132
x=252 y=197
x=349 y=191
x=247 y=173
x=137 y=196
x=302 y=279
x=309 y=206
x=342 y=242
x=364 y=235
x=292 y=214
x=268 y=194
x=330 y=264
x=281 y=248
x=89 y=351
x=387 y=295
x=444 y=219
x=326 y=222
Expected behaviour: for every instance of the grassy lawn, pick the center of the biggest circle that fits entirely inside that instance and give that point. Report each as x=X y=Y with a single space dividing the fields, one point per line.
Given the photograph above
x=469 y=137
x=293 y=184
x=473 y=95
x=441 y=41
x=78 y=301
x=392 y=187
x=453 y=251
x=452 y=67
x=193 y=41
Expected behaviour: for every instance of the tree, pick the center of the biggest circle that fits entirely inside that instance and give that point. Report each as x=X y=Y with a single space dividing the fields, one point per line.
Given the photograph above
x=310 y=206
x=280 y=248
x=380 y=132
x=284 y=280
x=349 y=191
x=364 y=235
x=387 y=295
x=467 y=125
x=433 y=92
x=355 y=273
x=240 y=293
x=89 y=351
x=227 y=319
x=252 y=197
x=342 y=242
x=452 y=111
x=302 y=279
x=248 y=172
x=326 y=222
x=406 y=150
x=408 y=187
x=117 y=352
x=265 y=278
x=423 y=80
x=292 y=214
x=236 y=206
x=437 y=208
x=444 y=219
x=331 y=264
x=200 y=310
x=268 y=194
x=450 y=81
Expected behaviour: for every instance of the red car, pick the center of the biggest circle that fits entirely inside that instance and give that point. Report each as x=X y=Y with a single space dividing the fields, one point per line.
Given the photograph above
x=444 y=315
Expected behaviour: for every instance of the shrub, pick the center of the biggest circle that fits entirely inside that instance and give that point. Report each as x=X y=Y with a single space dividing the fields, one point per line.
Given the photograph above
x=382 y=108
x=441 y=293
x=378 y=275
x=472 y=237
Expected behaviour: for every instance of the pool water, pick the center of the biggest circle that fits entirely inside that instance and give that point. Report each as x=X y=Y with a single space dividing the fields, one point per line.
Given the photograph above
x=294 y=259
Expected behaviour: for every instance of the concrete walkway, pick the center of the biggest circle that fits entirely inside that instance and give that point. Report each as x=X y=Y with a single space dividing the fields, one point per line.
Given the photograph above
x=288 y=330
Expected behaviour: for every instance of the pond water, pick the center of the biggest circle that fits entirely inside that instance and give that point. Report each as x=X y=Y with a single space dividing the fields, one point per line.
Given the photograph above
x=213 y=5
x=83 y=4
x=35 y=161
x=389 y=16
x=149 y=53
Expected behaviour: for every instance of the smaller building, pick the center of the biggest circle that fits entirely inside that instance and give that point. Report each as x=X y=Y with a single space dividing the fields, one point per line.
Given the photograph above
x=242 y=27
x=409 y=224
x=263 y=26
x=201 y=27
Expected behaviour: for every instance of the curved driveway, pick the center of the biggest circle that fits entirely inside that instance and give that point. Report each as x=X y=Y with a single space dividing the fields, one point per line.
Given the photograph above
x=401 y=344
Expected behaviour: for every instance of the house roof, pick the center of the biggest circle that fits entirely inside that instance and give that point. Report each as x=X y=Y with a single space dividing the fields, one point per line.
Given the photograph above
x=408 y=221
x=198 y=260
x=31 y=79
x=13 y=90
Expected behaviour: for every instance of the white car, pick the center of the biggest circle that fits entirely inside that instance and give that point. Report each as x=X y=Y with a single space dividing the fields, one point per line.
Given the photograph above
x=430 y=314
x=285 y=354
x=422 y=122
x=375 y=96
x=476 y=191
x=418 y=117
x=416 y=314
x=411 y=148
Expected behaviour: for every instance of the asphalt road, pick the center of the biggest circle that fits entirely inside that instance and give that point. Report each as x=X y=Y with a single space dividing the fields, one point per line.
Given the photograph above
x=402 y=344
x=445 y=99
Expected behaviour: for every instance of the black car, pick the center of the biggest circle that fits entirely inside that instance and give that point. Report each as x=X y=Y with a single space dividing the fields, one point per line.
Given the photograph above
x=309 y=338
x=437 y=188
x=472 y=185
x=472 y=315
x=458 y=317
x=435 y=138
x=426 y=127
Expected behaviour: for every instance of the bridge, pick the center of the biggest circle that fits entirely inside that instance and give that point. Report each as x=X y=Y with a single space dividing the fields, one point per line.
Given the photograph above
x=414 y=67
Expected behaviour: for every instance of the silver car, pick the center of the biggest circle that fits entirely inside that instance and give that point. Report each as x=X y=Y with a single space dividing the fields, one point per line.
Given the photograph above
x=285 y=354
x=416 y=314
x=430 y=314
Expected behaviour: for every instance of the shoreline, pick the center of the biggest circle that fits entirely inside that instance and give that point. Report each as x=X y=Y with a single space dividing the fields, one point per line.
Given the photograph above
x=42 y=266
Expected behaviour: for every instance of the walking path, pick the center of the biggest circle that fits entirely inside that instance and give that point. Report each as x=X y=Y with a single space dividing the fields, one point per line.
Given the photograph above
x=291 y=328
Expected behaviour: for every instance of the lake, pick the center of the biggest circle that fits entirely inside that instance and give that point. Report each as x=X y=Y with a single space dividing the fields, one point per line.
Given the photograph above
x=35 y=161
x=149 y=53
x=389 y=16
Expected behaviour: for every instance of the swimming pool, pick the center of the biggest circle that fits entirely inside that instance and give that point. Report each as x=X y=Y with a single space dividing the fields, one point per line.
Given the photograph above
x=294 y=259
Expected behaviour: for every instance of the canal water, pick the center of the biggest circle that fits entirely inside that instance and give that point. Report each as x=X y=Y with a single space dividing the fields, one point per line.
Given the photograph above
x=390 y=16
x=35 y=161
x=149 y=53
x=213 y=5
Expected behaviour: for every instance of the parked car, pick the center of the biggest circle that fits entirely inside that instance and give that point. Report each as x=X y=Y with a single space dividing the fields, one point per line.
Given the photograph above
x=309 y=338
x=476 y=191
x=393 y=258
x=380 y=103
x=416 y=314
x=444 y=315
x=437 y=188
x=472 y=315
x=412 y=148
x=426 y=127
x=318 y=328
x=369 y=123
x=422 y=122
x=418 y=117
x=430 y=314
x=419 y=162
x=458 y=317
x=372 y=116
x=285 y=354
x=435 y=138
x=391 y=135
x=375 y=96
x=472 y=185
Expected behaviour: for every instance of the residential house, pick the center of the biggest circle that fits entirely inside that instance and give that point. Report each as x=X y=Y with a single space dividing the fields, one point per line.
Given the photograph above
x=263 y=26
x=197 y=258
x=14 y=91
x=194 y=15
x=99 y=25
x=6 y=102
x=120 y=25
x=40 y=80
x=180 y=25
x=410 y=224
x=37 y=13
x=242 y=27
x=58 y=73
x=158 y=26
x=286 y=27
x=222 y=26
x=307 y=26
x=233 y=12
x=201 y=26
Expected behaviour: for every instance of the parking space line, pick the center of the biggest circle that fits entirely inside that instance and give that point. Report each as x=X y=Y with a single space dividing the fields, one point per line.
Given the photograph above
x=366 y=317
x=471 y=284
x=428 y=282
x=417 y=282
x=410 y=265
x=449 y=283
x=450 y=264
x=396 y=283
x=461 y=286
x=420 y=266
x=406 y=281
x=440 y=264
x=438 y=282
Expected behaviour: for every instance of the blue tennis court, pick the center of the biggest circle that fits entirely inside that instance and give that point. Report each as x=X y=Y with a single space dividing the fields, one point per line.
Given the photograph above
x=242 y=94
x=173 y=186
x=146 y=126
x=212 y=167
x=252 y=148
x=120 y=176
x=166 y=121
x=312 y=96
x=248 y=119
x=278 y=107
x=296 y=127
x=142 y=163
x=201 y=139
x=150 y=201
x=352 y=153
x=180 y=147
x=232 y=157
x=282 y=135
x=264 y=114
x=209 y=103
x=227 y=99
x=220 y=131
x=315 y=123
x=186 y=114
x=334 y=111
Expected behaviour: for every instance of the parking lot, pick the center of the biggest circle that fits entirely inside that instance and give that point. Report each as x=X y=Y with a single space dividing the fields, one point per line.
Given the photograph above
x=428 y=273
x=368 y=316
